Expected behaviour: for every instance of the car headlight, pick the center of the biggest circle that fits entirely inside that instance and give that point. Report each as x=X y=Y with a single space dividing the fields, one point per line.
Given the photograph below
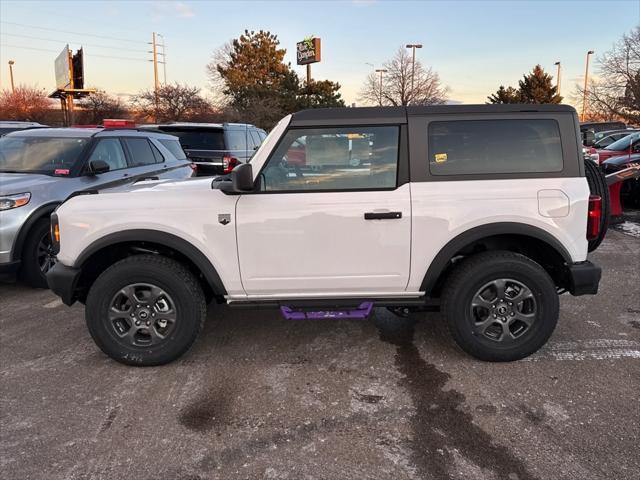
x=8 y=202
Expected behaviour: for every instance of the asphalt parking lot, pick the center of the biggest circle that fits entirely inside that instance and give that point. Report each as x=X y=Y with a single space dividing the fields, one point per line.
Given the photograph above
x=261 y=397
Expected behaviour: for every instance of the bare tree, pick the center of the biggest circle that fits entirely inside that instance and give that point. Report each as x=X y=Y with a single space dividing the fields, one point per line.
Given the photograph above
x=221 y=56
x=615 y=92
x=172 y=103
x=25 y=104
x=101 y=105
x=396 y=84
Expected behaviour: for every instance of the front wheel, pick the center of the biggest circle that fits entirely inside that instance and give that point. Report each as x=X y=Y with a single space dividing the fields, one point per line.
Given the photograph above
x=500 y=306
x=145 y=310
x=38 y=256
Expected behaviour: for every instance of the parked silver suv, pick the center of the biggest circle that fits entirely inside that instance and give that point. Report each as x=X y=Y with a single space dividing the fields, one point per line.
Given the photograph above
x=41 y=168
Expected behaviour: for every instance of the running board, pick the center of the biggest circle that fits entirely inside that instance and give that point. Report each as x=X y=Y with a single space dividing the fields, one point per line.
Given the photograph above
x=361 y=312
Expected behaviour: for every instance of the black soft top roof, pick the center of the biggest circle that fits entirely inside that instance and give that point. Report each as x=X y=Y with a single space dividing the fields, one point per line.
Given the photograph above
x=385 y=115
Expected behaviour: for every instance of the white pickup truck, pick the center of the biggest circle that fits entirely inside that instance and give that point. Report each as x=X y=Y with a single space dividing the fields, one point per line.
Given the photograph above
x=483 y=211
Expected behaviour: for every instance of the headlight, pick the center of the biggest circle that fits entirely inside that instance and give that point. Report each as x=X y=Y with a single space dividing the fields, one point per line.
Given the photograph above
x=14 y=201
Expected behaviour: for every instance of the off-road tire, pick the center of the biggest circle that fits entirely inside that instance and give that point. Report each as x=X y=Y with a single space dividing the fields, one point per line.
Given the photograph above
x=474 y=272
x=165 y=273
x=598 y=186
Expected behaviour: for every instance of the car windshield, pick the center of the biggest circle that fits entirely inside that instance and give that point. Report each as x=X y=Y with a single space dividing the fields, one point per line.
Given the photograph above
x=47 y=155
x=198 y=139
x=624 y=143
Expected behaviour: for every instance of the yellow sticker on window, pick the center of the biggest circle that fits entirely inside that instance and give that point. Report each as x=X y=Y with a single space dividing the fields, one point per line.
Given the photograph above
x=441 y=157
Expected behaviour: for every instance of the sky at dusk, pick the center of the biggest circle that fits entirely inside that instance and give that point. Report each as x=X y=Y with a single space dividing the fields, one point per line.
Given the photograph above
x=474 y=45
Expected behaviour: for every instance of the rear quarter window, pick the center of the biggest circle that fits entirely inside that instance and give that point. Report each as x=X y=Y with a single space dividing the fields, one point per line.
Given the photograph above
x=175 y=148
x=476 y=147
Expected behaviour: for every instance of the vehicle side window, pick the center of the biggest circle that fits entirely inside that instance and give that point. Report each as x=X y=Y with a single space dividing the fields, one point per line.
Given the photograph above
x=468 y=147
x=110 y=151
x=346 y=158
x=256 y=138
x=262 y=134
x=141 y=153
x=175 y=148
x=157 y=153
x=238 y=139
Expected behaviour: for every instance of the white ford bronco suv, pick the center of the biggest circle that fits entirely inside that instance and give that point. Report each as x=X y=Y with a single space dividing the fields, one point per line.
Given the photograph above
x=483 y=211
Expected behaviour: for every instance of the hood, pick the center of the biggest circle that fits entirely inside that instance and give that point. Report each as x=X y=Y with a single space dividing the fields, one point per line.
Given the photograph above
x=604 y=154
x=11 y=183
x=620 y=162
x=162 y=185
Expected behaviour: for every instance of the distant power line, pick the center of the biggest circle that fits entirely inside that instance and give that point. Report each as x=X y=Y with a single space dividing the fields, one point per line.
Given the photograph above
x=91 y=55
x=65 y=41
x=74 y=33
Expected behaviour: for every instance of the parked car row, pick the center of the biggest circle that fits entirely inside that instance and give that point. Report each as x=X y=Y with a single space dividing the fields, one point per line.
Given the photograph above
x=615 y=147
x=42 y=167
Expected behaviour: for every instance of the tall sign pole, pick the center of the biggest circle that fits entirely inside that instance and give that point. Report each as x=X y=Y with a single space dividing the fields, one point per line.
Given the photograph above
x=308 y=52
x=13 y=88
x=413 y=47
x=586 y=84
x=381 y=71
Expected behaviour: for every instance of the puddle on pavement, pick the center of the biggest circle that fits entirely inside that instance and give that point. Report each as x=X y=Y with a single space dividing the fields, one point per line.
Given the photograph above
x=441 y=429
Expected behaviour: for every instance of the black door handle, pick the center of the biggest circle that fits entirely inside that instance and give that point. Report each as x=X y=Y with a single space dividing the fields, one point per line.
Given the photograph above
x=382 y=215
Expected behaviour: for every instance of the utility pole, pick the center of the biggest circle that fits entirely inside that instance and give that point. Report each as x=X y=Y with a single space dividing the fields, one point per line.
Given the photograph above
x=558 y=76
x=413 y=47
x=13 y=88
x=586 y=79
x=381 y=71
x=155 y=72
x=164 y=59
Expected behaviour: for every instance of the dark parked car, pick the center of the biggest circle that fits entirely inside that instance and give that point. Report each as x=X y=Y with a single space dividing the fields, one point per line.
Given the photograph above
x=8 y=126
x=215 y=148
x=606 y=138
x=40 y=169
x=588 y=129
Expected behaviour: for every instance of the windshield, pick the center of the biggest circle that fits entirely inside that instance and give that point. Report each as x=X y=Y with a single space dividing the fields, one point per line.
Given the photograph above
x=200 y=139
x=624 y=143
x=47 y=155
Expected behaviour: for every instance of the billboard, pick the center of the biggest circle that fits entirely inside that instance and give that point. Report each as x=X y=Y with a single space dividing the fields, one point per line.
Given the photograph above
x=77 y=67
x=308 y=51
x=63 y=69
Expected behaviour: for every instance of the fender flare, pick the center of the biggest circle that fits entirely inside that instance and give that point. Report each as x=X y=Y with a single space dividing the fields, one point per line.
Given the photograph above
x=466 y=238
x=163 y=238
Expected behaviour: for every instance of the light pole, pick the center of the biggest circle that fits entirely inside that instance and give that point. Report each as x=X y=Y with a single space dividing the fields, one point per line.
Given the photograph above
x=13 y=88
x=381 y=71
x=413 y=47
x=586 y=79
x=558 y=76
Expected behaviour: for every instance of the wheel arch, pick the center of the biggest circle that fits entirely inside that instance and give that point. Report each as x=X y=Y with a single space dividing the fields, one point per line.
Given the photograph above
x=532 y=241
x=38 y=214
x=96 y=257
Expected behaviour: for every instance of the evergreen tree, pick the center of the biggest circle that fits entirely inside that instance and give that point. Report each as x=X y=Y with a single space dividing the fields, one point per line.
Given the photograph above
x=260 y=87
x=505 y=95
x=537 y=87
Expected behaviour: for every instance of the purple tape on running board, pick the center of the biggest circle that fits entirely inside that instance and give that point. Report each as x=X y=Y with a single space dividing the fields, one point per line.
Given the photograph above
x=362 y=312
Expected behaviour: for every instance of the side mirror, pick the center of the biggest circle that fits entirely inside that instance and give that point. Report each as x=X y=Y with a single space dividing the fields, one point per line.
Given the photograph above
x=97 y=167
x=242 y=178
x=588 y=138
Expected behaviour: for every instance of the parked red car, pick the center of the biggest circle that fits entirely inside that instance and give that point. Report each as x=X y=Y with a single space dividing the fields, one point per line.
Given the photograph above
x=625 y=147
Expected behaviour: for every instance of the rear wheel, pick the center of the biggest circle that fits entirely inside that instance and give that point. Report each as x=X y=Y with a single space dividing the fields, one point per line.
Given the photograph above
x=500 y=306
x=145 y=310
x=598 y=186
x=38 y=256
